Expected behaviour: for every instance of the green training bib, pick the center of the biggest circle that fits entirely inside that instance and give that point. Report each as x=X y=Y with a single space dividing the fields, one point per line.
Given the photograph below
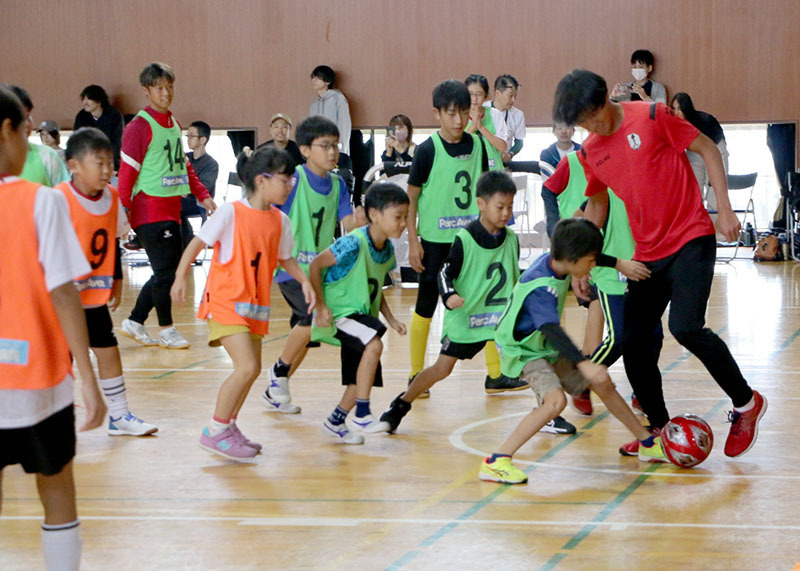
x=617 y=242
x=163 y=171
x=313 y=217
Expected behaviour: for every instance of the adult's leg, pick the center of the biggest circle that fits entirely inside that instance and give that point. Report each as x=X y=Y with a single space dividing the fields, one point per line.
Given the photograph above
x=162 y=242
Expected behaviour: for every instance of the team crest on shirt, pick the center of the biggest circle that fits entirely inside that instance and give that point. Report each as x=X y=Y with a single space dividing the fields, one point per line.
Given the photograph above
x=635 y=141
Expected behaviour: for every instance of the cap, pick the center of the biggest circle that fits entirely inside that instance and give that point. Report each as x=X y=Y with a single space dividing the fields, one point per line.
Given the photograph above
x=48 y=126
x=283 y=116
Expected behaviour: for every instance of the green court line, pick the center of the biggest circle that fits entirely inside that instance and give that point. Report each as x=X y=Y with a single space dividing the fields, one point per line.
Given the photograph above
x=203 y=362
x=788 y=342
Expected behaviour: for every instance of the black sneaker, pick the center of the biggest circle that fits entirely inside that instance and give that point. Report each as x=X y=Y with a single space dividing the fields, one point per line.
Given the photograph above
x=133 y=244
x=559 y=426
x=423 y=394
x=503 y=383
x=395 y=413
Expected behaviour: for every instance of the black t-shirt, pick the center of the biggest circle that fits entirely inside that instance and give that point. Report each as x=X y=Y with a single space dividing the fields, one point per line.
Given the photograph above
x=110 y=122
x=648 y=88
x=423 y=158
x=291 y=148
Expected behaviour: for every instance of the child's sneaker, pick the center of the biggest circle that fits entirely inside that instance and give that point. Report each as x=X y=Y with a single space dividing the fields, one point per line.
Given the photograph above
x=423 y=394
x=341 y=433
x=559 y=425
x=278 y=388
x=632 y=448
x=137 y=332
x=583 y=402
x=273 y=405
x=503 y=471
x=171 y=338
x=744 y=427
x=246 y=441
x=369 y=424
x=652 y=454
x=502 y=384
x=130 y=425
x=395 y=413
x=228 y=444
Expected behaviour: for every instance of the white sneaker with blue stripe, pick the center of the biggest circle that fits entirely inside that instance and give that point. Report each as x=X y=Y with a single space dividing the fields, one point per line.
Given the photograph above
x=130 y=425
x=341 y=433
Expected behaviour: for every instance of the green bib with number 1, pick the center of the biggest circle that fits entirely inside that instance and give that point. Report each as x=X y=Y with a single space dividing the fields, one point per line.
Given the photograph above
x=163 y=171
x=313 y=217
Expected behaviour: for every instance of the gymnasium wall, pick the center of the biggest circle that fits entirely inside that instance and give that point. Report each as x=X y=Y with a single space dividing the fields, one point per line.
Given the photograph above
x=239 y=61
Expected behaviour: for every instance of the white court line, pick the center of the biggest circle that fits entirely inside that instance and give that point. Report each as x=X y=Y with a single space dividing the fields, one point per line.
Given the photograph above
x=352 y=522
x=457 y=440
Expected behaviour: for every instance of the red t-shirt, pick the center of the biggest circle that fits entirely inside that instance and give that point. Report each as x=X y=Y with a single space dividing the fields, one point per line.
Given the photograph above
x=558 y=181
x=645 y=163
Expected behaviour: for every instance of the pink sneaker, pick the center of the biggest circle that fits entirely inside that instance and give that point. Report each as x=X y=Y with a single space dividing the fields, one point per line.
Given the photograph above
x=228 y=444
x=247 y=442
x=744 y=427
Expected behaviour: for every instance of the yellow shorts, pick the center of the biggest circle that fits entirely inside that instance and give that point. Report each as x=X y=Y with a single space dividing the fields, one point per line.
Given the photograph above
x=217 y=331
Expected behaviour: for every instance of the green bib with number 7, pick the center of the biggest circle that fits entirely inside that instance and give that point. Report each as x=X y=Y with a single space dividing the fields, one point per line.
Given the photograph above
x=447 y=200
x=163 y=171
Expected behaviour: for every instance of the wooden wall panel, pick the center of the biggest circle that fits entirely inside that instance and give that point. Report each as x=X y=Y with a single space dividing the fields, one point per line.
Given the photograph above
x=239 y=61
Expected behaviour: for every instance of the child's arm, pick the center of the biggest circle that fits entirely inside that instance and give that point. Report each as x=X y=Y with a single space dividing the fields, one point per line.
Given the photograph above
x=116 y=287
x=178 y=290
x=494 y=140
x=414 y=245
x=393 y=323
x=325 y=259
x=293 y=269
x=451 y=269
x=72 y=318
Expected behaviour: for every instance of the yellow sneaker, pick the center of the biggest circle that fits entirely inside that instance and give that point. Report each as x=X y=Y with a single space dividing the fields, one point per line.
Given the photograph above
x=503 y=471
x=654 y=453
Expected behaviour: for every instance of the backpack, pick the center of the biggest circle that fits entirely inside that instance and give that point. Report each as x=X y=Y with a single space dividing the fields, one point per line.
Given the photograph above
x=768 y=249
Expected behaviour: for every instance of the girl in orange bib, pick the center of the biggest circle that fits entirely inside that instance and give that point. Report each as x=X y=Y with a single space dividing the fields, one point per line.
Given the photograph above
x=250 y=237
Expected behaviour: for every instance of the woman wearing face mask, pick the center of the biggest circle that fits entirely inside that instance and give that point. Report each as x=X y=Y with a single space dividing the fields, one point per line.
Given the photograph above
x=399 y=147
x=642 y=88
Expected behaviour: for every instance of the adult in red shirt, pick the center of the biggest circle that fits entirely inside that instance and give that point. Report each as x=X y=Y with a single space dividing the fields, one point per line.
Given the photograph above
x=638 y=149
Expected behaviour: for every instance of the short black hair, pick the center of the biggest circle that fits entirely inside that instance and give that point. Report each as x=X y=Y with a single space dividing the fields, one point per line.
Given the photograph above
x=22 y=95
x=152 y=72
x=326 y=74
x=492 y=182
x=451 y=92
x=479 y=79
x=579 y=93
x=505 y=81
x=87 y=140
x=575 y=238
x=643 y=56
x=381 y=195
x=314 y=127
x=203 y=129
x=96 y=93
x=269 y=160
x=10 y=107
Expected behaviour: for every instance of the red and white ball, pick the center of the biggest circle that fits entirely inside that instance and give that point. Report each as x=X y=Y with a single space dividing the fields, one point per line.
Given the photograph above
x=687 y=440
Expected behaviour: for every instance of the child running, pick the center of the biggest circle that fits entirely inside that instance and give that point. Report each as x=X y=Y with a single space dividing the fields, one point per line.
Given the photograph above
x=98 y=219
x=350 y=299
x=533 y=344
x=250 y=237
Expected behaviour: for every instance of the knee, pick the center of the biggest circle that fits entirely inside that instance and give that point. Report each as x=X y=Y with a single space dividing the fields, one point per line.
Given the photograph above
x=374 y=347
x=554 y=403
x=249 y=369
x=686 y=335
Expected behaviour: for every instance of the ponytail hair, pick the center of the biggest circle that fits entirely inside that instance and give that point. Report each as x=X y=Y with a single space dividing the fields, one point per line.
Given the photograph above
x=266 y=159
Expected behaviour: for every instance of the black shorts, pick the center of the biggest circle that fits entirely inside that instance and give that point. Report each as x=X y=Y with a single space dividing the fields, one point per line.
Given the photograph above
x=592 y=297
x=293 y=294
x=43 y=448
x=461 y=350
x=355 y=331
x=101 y=328
x=433 y=256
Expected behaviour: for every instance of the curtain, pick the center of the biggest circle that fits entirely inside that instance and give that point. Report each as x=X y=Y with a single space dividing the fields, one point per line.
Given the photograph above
x=781 y=139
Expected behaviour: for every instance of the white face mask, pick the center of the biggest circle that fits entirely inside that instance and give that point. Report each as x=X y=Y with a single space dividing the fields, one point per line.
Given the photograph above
x=401 y=135
x=638 y=73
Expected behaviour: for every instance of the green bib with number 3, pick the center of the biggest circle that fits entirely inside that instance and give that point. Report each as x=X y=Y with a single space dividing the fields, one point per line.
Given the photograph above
x=313 y=217
x=163 y=171
x=485 y=282
x=447 y=200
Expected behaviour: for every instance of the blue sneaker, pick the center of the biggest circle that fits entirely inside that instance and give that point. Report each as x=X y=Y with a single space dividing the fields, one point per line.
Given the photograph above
x=130 y=425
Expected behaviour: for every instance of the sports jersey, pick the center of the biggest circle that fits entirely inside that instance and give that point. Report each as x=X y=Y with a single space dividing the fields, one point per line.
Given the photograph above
x=493 y=121
x=43 y=166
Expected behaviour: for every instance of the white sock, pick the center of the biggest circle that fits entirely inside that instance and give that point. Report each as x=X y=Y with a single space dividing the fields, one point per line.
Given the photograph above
x=215 y=426
x=61 y=545
x=117 y=400
x=746 y=407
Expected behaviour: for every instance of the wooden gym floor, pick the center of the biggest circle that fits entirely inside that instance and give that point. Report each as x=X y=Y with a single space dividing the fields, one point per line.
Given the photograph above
x=413 y=500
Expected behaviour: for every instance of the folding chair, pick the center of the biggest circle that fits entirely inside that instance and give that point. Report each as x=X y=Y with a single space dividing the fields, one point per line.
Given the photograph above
x=746 y=182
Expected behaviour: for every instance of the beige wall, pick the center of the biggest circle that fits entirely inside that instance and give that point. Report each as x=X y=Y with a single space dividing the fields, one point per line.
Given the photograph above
x=239 y=61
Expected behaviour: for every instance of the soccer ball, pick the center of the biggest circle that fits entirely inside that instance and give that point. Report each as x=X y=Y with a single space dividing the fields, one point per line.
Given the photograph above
x=687 y=440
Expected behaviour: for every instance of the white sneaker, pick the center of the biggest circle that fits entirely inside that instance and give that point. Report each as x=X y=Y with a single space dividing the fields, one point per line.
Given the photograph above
x=172 y=339
x=369 y=424
x=273 y=405
x=137 y=332
x=278 y=388
x=340 y=433
x=130 y=425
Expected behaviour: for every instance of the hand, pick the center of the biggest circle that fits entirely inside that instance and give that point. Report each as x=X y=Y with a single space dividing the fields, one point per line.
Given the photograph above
x=324 y=315
x=728 y=225
x=95 y=407
x=593 y=372
x=209 y=205
x=581 y=287
x=398 y=326
x=116 y=295
x=310 y=295
x=415 y=254
x=391 y=142
x=633 y=270
x=617 y=91
x=639 y=90
x=454 y=301
x=476 y=115
x=178 y=290
x=507 y=156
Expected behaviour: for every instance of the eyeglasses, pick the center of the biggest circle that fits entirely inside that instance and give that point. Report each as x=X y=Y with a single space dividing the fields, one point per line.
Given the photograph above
x=326 y=146
x=286 y=179
x=191 y=136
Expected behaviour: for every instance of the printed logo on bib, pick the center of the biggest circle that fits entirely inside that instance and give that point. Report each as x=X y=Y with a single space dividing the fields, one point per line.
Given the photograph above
x=253 y=311
x=95 y=282
x=491 y=163
x=177 y=180
x=449 y=222
x=635 y=141
x=13 y=352
x=305 y=257
x=484 y=320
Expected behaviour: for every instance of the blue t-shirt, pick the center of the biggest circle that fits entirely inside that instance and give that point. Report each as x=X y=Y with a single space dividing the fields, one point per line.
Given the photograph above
x=345 y=250
x=541 y=305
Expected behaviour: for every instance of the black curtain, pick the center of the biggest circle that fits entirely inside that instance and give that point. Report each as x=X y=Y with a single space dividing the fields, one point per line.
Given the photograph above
x=781 y=139
x=241 y=139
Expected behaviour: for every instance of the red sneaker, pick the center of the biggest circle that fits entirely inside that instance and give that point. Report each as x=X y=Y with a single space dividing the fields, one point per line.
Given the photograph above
x=583 y=402
x=744 y=427
x=632 y=448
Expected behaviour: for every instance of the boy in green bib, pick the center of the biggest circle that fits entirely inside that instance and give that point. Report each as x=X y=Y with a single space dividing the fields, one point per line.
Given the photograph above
x=534 y=346
x=349 y=297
